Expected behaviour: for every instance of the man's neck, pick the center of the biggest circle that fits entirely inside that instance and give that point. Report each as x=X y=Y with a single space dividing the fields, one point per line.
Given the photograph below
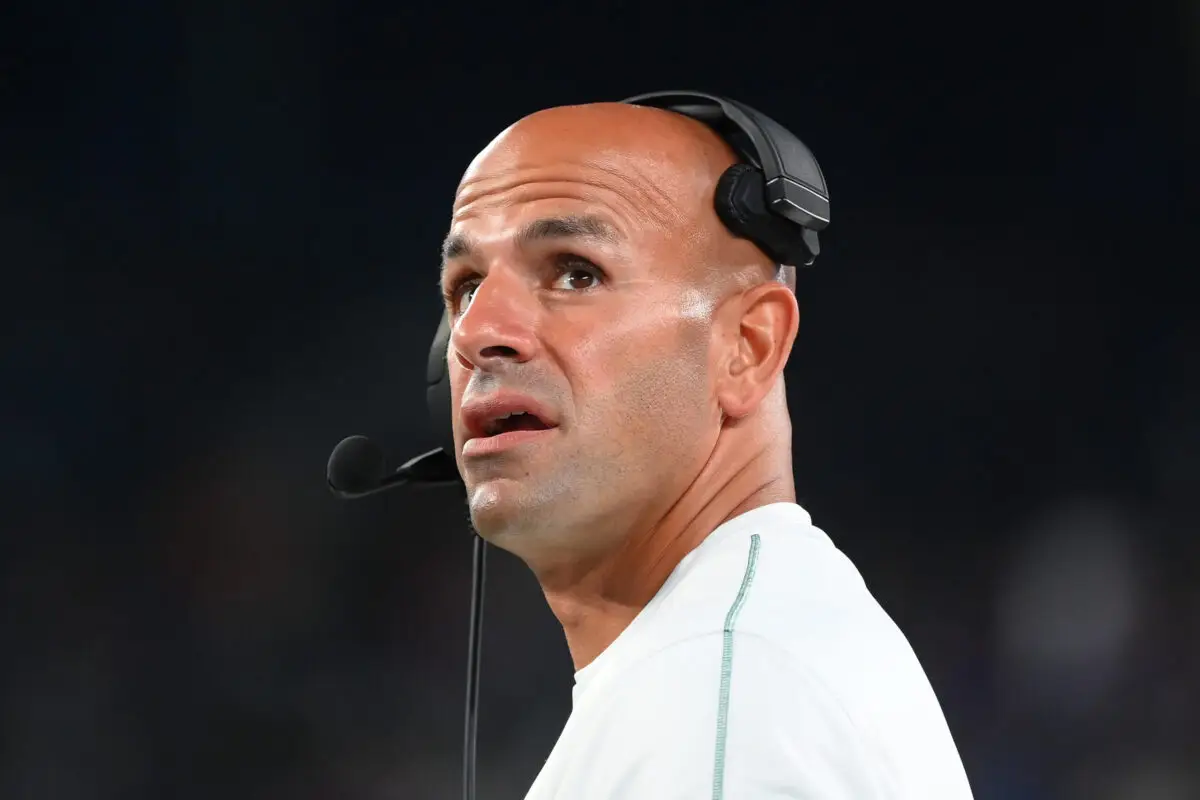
x=596 y=607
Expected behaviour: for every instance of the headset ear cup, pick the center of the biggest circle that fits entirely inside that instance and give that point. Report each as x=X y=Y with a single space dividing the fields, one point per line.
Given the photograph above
x=739 y=186
x=741 y=203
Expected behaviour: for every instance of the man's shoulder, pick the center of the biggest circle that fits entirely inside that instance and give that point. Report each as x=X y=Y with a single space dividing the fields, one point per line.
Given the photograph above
x=793 y=617
x=781 y=579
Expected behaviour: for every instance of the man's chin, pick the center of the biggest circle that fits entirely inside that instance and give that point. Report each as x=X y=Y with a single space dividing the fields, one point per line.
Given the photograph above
x=501 y=507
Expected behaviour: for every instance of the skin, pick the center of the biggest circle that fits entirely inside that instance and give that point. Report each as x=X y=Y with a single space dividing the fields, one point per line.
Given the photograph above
x=658 y=344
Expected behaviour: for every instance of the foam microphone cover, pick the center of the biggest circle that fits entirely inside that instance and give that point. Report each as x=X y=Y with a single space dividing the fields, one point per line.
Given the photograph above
x=357 y=464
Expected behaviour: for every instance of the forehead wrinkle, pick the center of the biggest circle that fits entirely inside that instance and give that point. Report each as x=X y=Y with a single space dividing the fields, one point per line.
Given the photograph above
x=469 y=187
x=504 y=191
x=648 y=197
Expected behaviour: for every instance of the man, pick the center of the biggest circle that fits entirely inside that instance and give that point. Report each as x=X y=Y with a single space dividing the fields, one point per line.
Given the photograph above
x=620 y=422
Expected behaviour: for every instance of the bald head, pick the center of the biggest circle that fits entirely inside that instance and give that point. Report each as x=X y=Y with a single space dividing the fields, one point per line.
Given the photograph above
x=588 y=276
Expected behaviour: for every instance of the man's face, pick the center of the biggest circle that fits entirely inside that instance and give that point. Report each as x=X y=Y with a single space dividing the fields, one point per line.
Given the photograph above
x=572 y=298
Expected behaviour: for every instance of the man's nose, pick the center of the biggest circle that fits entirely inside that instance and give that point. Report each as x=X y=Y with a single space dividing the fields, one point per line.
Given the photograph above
x=497 y=324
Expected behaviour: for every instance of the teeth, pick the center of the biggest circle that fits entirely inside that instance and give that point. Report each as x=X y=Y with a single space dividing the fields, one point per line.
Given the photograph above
x=493 y=427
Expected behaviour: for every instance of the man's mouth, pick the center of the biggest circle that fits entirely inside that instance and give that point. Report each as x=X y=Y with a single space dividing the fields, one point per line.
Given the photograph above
x=514 y=421
x=503 y=420
x=503 y=433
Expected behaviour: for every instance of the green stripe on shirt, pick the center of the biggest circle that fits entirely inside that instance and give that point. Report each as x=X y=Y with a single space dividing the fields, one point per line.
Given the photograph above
x=718 y=792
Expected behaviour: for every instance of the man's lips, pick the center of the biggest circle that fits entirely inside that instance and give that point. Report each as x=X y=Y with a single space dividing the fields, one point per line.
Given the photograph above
x=502 y=420
x=491 y=445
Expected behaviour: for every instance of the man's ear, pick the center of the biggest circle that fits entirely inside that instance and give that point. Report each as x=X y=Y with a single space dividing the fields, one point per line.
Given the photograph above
x=758 y=337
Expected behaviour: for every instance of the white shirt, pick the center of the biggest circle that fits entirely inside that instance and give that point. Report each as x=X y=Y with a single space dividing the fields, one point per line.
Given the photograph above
x=763 y=669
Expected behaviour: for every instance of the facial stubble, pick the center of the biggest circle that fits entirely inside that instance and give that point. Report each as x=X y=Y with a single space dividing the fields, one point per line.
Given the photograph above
x=621 y=462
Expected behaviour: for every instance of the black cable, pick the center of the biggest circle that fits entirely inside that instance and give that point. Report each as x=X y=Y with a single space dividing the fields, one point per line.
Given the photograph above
x=474 y=645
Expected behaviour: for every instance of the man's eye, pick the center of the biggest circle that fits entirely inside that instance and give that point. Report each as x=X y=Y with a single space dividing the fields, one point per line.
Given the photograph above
x=459 y=296
x=577 y=275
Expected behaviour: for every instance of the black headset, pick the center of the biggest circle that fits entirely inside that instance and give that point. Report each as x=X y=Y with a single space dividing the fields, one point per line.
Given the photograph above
x=775 y=197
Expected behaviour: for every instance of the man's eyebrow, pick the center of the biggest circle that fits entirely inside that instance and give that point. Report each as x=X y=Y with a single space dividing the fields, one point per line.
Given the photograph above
x=572 y=226
x=456 y=246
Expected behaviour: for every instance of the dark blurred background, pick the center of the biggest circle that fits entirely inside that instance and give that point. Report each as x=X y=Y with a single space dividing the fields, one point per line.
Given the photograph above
x=219 y=231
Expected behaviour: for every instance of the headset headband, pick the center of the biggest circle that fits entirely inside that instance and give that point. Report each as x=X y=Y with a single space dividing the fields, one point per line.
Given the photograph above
x=795 y=185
